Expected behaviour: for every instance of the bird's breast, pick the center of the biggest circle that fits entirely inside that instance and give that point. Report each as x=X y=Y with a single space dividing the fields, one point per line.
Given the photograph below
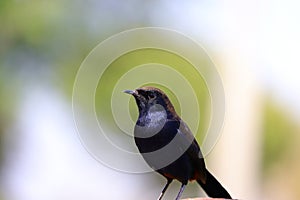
x=150 y=123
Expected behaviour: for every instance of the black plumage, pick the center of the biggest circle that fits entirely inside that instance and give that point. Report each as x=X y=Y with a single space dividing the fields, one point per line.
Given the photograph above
x=167 y=144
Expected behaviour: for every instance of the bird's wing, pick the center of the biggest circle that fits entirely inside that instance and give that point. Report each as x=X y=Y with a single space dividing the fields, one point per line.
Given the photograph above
x=189 y=142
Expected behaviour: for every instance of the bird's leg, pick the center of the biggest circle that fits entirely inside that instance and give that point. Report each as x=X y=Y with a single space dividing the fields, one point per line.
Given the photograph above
x=165 y=188
x=180 y=191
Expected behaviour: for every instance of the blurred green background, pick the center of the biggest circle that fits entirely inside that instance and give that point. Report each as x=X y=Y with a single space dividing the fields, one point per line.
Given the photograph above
x=42 y=44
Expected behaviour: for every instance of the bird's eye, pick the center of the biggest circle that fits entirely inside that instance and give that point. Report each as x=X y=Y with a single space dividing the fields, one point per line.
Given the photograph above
x=151 y=96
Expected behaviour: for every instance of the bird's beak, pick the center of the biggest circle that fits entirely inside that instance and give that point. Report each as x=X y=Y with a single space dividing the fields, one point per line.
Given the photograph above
x=129 y=92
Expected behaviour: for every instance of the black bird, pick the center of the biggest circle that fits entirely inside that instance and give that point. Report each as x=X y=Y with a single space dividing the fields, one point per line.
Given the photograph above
x=167 y=144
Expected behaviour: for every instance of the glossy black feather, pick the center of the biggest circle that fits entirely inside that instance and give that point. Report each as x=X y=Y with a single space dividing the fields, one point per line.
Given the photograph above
x=168 y=145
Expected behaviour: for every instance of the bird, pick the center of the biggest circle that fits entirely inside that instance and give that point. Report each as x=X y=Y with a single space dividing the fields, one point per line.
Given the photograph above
x=167 y=144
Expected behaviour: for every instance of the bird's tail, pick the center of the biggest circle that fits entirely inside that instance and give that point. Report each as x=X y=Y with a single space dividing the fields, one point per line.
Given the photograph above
x=213 y=188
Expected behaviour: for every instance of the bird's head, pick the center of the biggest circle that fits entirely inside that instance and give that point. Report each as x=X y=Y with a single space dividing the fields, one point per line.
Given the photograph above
x=147 y=97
